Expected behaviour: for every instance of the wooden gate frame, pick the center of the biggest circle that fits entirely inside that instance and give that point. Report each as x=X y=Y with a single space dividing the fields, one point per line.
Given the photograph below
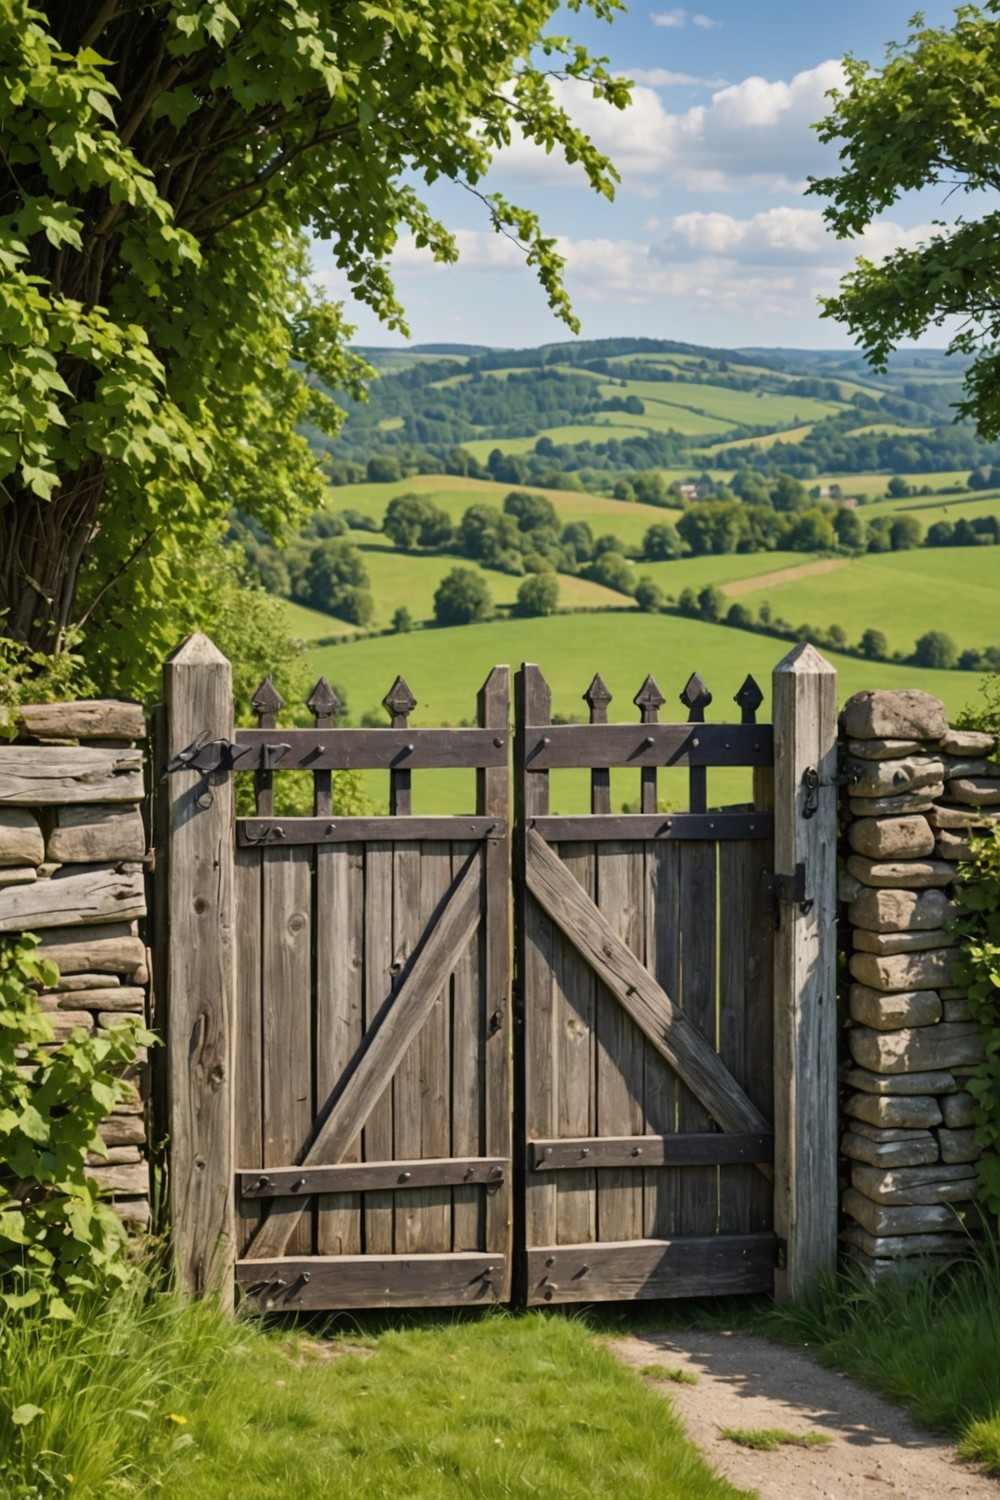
x=198 y=849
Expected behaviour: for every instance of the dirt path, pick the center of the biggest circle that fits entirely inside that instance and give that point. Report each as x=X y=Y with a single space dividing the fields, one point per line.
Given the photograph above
x=782 y=575
x=744 y=1381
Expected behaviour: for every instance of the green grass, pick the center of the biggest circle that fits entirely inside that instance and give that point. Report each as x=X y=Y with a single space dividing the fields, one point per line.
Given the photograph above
x=575 y=432
x=786 y=435
x=312 y=625
x=453 y=494
x=902 y=594
x=873 y=486
x=173 y=1401
x=770 y=1439
x=928 y=510
x=697 y=572
x=754 y=408
x=929 y=1340
x=445 y=669
x=668 y=1374
x=659 y=417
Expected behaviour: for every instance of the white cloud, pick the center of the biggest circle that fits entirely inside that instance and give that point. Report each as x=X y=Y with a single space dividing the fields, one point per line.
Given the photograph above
x=680 y=17
x=664 y=78
x=753 y=134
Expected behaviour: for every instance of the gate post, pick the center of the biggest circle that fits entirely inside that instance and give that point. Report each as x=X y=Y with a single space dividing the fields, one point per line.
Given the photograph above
x=805 y=968
x=200 y=971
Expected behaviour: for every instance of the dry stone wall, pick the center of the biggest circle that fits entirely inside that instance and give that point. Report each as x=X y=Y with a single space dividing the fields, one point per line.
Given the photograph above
x=915 y=789
x=72 y=870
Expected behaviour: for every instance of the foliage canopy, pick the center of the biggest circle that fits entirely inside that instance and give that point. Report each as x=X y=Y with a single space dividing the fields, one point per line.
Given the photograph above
x=161 y=341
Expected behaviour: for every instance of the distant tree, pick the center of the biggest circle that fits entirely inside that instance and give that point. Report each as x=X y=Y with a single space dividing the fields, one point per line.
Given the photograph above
x=335 y=580
x=941 y=534
x=687 y=604
x=462 y=597
x=836 y=638
x=402 y=620
x=327 y=523
x=486 y=534
x=897 y=488
x=413 y=520
x=624 y=490
x=608 y=543
x=538 y=595
x=578 y=539
x=382 y=470
x=611 y=569
x=874 y=645
x=812 y=532
x=662 y=543
x=851 y=529
x=935 y=649
x=880 y=534
x=905 y=533
x=531 y=511
x=648 y=595
x=711 y=603
x=739 y=617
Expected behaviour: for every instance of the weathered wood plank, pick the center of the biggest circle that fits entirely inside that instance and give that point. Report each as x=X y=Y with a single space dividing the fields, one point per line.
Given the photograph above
x=201 y=979
x=736 y=910
x=472 y=1172
x=534 y=1092
x=699 y=1187
x=111 y=949
x=805 y=964
x=391 y=1033
x=352 y=830
x=368 y=749
x=339 y=931
x=50 y=775
x=373 y=1281
x=663 y=960
x=620 y=1082
x=89 y=719
x=650 y=1007
x=717 y=1265
x=420 y=878
x=573 y=1070
x=759 y=984
x=465 y=1090
x=593 y=745
x=378 y=1142
x=496 y=965
x=637 y=1152
x=87 y=896
x=624 y=827
x=248 y=1087
x=433 y=1043
x=286 y=992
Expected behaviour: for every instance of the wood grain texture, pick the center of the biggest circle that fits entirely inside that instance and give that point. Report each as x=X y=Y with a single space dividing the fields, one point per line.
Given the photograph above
x=699 y=1187
x=93 y=718
x=619 y=1042
x=650 y=1007
x=393 y=1029
x=201 y=979
x=805 y=1013
x=373 y=1281
x=717 y=1265
x=640 y=1151
x=648 y=745
x=378 y=1140
x=339 y=926
x=620 y=827
x=351 y=830
x=364 y=1177
x=52 y=775
x=370 y=749
x=661 y=1189
x=248 y=1086
x=94 y=895
x=465 y=1088
x=573 y=1065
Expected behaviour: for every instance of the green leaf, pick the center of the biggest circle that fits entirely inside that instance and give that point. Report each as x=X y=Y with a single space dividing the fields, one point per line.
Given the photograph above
x=24 y=1414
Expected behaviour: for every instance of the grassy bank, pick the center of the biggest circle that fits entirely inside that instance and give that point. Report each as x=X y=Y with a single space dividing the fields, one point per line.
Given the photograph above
x=160 y=1398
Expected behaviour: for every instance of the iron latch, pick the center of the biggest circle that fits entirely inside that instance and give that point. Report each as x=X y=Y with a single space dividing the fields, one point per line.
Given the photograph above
x=216 y=758
x=812 y=784
x=790 y=889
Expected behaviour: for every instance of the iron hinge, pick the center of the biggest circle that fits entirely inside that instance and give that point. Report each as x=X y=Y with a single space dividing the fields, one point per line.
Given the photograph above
x=811 y=783
x=790 y=889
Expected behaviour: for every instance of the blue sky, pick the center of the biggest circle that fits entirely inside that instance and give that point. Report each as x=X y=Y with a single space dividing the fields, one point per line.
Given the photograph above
x=710 y=238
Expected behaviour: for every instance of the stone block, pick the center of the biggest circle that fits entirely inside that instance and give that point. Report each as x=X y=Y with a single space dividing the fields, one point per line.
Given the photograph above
x=893 y=778
x=901 y=910
x=910 y=1186
x=904 y=971
x=17 y=875
x=88 y=895
x=885 y=1154
x=113 y=947
x=941 y=1082
x=133 y=1211
x=958 y=1110
x=975 y=791
x=130 y=1179
x=884 y=943
x=65 y=1022
x=951 y=815
x=887 y=749
x=123 y=1130
x=893 y=1219
x=88 y=981
x=956 y=1010
x=881 y=1135
x=125 y=998
x=90 y=835
x=890 y=1247
x=895 y=807
x=964 y=766
x=958 y=1145
x=115 y=1156
x=888 y=1012
x=889 y=838
x=847 y=887
x=917 y=1050
x=951 y=846
x=968 y=742
x=901 y=714
x=912 y=1111
x=21 y=841
x=92 y=719
x=913 y=874
x=47 y=776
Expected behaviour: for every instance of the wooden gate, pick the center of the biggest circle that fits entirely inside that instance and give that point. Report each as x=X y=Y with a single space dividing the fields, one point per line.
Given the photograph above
x=336 y=998
x=646 y=959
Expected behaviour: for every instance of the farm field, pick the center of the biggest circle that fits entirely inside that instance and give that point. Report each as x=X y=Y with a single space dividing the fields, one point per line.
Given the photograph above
x=697 y=572
x=313 y=625
x=788 y=435
x=452 y=493
x=591 y=432
x=755 y=408
x=928 y=510
x=902 y=594
x=445 y=669
x=873 y=486
x=660 y=416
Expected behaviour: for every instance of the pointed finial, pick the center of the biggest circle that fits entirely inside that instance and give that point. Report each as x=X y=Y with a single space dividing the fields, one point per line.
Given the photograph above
x=323 y=702
x=267 y=701
x=597 y=697
x=749 y=698
x=400 y=702
x=696 y=698
x=649 y=699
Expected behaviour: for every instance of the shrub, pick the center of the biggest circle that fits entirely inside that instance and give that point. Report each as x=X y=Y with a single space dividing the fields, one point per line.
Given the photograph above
x=935 y=649
x=538 y=595
x=462 y=596
x=611 y=569
x=648 y=596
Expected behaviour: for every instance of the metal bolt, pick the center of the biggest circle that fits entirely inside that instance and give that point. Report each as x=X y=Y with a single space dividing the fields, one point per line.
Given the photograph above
x=636 y=1150
x=405 y=1176
x=498 y=742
